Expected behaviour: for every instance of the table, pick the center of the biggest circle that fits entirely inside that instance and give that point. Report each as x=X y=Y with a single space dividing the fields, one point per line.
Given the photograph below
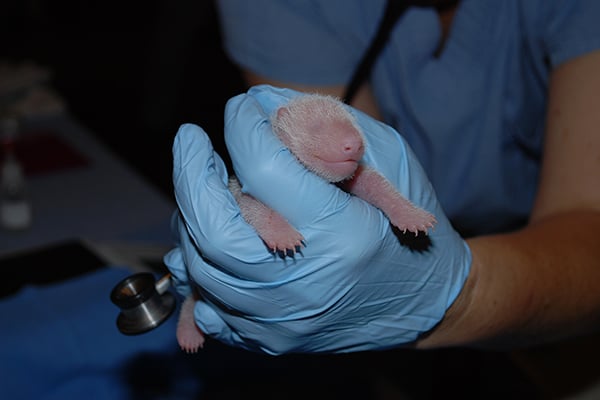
x=80 y=190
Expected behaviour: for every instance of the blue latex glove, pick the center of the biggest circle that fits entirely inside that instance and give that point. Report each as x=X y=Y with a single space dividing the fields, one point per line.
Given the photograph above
x=354 y=287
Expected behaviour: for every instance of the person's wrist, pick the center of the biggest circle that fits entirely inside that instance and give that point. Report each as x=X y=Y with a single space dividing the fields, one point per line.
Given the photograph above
x=450 y=331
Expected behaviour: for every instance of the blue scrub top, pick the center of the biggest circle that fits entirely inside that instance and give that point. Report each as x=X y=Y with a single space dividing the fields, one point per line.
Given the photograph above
x=474 y=114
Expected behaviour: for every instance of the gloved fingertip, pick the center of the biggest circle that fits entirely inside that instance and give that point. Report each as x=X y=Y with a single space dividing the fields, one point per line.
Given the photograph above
x=179 y=277
x=211 y=323
x=187 y=134
x=187 y=138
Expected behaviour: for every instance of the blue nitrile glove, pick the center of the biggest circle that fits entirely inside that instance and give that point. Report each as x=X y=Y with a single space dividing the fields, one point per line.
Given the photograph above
x=354 y=287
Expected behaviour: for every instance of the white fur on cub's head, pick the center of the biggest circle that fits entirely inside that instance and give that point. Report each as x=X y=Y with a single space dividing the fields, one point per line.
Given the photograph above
x=322 y=134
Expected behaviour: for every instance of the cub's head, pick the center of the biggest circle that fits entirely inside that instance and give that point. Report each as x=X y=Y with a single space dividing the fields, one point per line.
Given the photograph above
x=322 y=134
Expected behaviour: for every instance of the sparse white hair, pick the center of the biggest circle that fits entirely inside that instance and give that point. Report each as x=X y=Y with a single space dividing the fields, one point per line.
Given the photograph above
x=303 y=111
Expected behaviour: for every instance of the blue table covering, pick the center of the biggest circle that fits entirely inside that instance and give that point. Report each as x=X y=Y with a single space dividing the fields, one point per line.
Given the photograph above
x=61 y=341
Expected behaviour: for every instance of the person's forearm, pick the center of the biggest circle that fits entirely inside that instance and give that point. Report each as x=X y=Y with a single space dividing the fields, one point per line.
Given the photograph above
x=528 y=287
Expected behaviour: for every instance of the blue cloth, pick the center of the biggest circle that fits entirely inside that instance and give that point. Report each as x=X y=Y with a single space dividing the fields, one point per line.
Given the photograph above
x=61 y=342
x=474 y=115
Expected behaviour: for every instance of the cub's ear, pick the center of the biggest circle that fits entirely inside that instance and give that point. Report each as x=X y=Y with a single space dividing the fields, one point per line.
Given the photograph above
x=280 y=124
x=282 y=112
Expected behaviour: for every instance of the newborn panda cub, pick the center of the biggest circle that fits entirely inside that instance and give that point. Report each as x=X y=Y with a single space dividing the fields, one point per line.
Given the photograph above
x=324 y=136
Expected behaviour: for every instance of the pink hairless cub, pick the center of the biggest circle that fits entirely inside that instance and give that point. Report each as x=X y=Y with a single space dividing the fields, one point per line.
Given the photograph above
x=323 y=135
x=325 y=138
x=189 y=335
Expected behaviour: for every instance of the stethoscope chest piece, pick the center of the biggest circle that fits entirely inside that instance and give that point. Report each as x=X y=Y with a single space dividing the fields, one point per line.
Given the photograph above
x=144 y=303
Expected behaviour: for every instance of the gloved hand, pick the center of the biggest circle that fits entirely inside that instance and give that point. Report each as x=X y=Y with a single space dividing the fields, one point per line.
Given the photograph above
x=354 y=287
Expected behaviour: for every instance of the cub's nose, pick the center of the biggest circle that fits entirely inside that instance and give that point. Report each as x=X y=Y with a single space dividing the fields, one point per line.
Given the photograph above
x=353 y=147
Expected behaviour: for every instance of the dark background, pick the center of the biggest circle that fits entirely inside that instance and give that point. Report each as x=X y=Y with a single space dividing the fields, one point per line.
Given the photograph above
x=130 y=71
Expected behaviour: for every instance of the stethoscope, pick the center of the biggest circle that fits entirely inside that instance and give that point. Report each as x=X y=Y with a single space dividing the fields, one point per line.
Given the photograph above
x=145 y=302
